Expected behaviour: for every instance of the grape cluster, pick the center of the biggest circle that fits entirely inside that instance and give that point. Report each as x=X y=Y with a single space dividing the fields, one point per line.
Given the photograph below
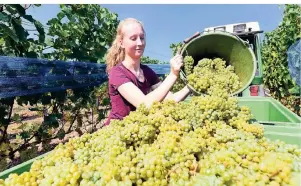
x=188 y=69
x=209 y=140
x=188 y=65
x=212 y=77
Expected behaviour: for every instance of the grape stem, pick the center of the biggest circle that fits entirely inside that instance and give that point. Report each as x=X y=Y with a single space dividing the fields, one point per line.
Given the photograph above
x=275 y=173
x=74 y=118
x=194 y=171
x=172 y=171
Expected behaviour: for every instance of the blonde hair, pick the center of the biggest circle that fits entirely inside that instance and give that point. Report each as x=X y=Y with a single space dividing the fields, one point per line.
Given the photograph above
x=115 y=53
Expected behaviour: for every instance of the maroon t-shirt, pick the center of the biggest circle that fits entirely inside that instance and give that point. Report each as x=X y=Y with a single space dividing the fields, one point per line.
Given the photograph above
x=119 y=75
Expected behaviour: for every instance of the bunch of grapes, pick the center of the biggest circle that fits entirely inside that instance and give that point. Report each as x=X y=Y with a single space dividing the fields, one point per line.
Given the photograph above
x=213 y=77
x=188 y=65
x=188 y=69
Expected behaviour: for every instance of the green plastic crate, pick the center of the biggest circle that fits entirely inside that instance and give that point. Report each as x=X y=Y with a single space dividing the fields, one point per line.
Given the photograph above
x=293 y=130
x=267 y=110
x=288 y=138
x=23 y=167
x=279 y=122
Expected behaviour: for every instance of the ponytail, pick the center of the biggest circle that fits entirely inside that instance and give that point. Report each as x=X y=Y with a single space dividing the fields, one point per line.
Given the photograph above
x=115 y=55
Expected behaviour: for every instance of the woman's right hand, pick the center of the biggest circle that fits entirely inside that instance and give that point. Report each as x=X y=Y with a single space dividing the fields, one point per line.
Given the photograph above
x=176 y=63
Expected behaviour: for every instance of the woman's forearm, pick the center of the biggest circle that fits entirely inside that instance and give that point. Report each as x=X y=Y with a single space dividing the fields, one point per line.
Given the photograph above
x=180 y=95
x=160 y=92
x=136 y=97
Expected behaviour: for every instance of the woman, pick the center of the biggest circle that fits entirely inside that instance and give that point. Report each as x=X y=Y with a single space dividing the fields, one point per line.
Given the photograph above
x=132 y=83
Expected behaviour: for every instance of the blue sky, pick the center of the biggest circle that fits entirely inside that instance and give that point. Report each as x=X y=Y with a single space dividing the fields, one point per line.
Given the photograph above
x=166 y=24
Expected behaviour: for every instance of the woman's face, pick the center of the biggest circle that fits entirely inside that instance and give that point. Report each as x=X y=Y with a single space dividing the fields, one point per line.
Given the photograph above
x=133 y=40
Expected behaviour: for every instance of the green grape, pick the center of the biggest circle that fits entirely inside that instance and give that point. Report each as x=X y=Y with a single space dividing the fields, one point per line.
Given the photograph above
x=188 y=65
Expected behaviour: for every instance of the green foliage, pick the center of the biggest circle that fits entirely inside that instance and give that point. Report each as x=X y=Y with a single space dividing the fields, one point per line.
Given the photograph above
x=274 y=53
x=81 y=32
x=3 y=164
x=175 y=47
x=14 y=40
x=148 y=60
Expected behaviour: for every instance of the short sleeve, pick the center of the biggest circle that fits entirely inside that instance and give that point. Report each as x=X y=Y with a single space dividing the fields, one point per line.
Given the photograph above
x=152 y=76
x=117 y=77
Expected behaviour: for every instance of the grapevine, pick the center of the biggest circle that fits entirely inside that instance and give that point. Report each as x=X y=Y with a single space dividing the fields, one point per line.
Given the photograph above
x=274 y=56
